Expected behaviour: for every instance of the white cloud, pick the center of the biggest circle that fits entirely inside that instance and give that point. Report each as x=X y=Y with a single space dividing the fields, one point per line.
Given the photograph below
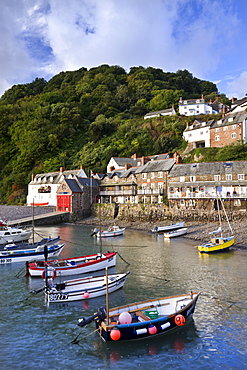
x=43 y=37
x=238 y=87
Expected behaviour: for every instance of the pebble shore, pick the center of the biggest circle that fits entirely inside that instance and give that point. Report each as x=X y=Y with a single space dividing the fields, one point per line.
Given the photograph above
x=197 y=232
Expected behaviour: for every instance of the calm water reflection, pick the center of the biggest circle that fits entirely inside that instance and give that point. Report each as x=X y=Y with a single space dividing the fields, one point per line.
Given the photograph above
x=36 y=336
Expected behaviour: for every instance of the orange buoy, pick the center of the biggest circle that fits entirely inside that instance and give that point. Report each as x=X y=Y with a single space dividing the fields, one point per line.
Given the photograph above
x=179 y=320
x=115 y=334
x=86 y=295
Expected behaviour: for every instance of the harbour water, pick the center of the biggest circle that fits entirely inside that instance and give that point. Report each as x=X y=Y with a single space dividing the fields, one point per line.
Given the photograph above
x=37 y=336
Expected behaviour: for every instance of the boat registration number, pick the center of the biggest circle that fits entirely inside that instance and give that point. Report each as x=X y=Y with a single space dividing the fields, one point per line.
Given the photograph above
x=5 y=260
x=58 y=296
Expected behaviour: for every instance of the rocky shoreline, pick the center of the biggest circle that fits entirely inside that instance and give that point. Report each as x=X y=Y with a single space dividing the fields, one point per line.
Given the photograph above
x=196 y=232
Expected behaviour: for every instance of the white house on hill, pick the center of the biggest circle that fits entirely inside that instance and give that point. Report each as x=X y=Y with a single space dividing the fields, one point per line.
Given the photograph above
x=42 y=189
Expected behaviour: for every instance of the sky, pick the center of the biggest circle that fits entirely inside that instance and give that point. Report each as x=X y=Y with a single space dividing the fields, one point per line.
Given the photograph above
x=40 y=38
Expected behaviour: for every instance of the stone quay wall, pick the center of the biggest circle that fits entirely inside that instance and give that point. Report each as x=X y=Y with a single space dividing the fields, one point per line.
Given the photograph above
x=154 y=213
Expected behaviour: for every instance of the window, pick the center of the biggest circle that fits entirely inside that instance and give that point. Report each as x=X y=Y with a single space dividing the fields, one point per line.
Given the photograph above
x=229 y=177
x=182 y=178
x=217 y=129
x=233 y=127
x=234 y=135
x=225 y=128
x=192 y=178
x=216 y=177
x=160 y=174
x=217 y=137
x=201 y=133
x=160 y=185
x=241 y=176
x=144 y=176
x=152 y=175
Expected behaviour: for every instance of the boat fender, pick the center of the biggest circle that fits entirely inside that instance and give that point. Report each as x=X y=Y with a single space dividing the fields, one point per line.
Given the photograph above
x=86 y=295
x=50 y=272
x=141 y=331
x=164 y=326
x=179 y=320
x=115 y=334
x=152 y=329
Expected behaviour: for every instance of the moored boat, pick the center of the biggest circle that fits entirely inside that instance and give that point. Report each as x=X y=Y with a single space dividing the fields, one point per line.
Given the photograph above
x=10 y=234
x=223 y=242
x=171 y=227
x=174 y=233
x=144 y=319
x=84 y=288
x=26 y=252
x=76 y=265
x=111 y=231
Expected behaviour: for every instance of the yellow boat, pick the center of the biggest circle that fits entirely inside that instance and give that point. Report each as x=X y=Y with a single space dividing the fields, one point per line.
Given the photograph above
x=220 y=244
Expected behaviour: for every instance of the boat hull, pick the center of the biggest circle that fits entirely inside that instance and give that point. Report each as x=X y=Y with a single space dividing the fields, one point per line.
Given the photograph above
x=90 y=287
x=77 y=265
x=163 y=324
x=217 y=245
x=175 y=233
x=107 y=233
x=167 y=228
x=31 y=254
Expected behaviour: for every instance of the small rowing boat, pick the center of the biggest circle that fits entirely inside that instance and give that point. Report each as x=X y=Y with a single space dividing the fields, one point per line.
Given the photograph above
x=111 y=231
x=84 y=288
x=174 y=233
x=171 y=227
x=144 y=319
x=73 y=266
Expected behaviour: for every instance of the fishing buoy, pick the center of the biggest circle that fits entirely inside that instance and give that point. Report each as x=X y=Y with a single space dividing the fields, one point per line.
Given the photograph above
x=86 y=295
x=152 y=329
x=179 y=320
x=115 y=334
x=125 y=318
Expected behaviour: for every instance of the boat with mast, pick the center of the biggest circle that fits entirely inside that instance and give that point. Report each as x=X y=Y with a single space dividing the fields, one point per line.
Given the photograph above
x=222 y=242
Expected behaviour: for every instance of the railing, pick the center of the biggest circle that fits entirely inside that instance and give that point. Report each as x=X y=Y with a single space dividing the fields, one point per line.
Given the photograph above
x=199 y=195
x=150 y=191
x=117 y=192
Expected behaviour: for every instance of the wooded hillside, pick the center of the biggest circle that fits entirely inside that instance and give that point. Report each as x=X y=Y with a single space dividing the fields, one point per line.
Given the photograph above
x=87 y=116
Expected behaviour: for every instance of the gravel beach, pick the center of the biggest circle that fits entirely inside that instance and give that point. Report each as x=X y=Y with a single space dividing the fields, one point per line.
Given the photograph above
x=197 y=232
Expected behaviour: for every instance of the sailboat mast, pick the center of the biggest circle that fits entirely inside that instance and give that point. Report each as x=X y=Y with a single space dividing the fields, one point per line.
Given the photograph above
x=217 y=200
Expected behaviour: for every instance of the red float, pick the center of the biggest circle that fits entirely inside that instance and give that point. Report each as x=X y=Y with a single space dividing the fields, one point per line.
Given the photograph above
x=179 y=320
x=115 y=334
x=152 y=329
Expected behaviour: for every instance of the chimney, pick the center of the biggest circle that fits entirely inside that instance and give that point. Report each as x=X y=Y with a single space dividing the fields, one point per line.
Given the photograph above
x=202 y=96
x=33 y=176
x=81 y=167
x=177 y=158
x=233 y=99
x=181 y=99
x=187 y=124
x=143 y=160
x=61 y=169
x=127 y=166
x=216 y=98
x=223 y=111
x=134 y=156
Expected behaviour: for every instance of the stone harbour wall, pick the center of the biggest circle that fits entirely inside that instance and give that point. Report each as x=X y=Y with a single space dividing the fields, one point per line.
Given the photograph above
x=155 y=213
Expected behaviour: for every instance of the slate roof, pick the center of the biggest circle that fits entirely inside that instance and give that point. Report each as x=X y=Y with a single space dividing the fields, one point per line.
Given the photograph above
x=155 y=166
x=169 y=110
x=74 y=184
x=208 y=168
x=45 y=177
x=199 y=124
x=234 y=119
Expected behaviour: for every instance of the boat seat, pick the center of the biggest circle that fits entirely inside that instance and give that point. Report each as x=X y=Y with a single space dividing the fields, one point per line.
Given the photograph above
x=142 y=316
